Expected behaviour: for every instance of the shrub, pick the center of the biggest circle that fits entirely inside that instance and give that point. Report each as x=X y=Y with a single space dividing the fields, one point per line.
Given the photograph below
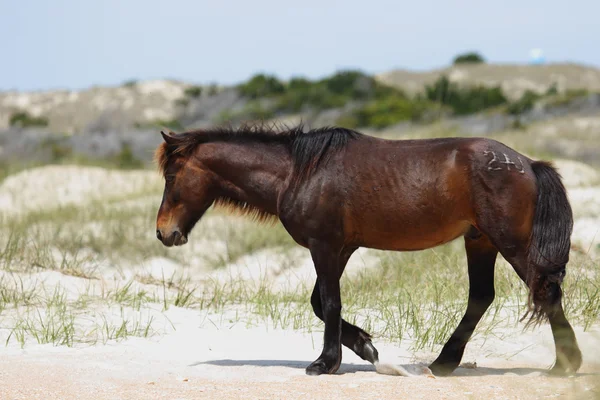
x=193 y=92
x=552 y=90
x=130 y=83
x=23 y=119
x=352 y=84
x=469 y=58
x=381 y=113
x=524 y=104
x=464 y=100
x=334 y=91
x=261 y=85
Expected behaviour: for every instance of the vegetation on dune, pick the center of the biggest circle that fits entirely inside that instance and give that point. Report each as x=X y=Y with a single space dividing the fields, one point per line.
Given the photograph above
x=365 y=102
x=468 y=58
x=371 y=103
x=23 y=120
x=193 y=91
x=464 y=101
x=524 y=104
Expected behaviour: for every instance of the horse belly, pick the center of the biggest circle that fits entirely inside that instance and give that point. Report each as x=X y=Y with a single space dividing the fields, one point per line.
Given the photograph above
x=409 y=234
x=426 y=218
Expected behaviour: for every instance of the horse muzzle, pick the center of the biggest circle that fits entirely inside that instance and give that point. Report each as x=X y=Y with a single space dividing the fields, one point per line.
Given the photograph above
x=175 y=238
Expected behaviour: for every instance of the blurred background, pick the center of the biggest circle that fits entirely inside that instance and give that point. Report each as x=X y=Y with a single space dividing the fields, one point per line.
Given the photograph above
x=85 y=88
x=96 y=81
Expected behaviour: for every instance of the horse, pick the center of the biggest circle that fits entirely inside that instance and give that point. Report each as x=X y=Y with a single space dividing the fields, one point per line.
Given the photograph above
x=335 y=190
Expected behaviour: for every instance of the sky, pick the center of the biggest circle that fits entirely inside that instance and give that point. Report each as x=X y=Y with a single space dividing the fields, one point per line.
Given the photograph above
x=61 y=44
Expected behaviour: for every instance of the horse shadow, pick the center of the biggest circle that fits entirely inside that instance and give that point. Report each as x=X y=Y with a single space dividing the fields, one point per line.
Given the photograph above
x=350 y=368
x=345 y=368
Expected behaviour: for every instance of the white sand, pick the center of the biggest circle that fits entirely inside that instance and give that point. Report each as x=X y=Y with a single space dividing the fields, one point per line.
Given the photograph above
x=208 y=358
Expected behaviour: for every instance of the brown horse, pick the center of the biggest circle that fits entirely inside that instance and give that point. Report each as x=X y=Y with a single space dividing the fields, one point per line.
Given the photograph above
x=335 y=190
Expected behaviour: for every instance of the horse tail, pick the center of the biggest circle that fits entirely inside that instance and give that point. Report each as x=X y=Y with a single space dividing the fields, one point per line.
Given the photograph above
x=550 y=243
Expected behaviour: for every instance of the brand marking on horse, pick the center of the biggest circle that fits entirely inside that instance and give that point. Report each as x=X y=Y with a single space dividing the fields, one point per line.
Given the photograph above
x=492 y=164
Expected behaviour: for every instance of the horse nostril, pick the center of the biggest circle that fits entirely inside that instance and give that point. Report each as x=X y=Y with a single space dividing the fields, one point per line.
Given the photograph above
x=158 y=235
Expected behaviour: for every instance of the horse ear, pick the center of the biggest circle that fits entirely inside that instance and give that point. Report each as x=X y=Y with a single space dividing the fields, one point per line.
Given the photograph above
x=169 y=137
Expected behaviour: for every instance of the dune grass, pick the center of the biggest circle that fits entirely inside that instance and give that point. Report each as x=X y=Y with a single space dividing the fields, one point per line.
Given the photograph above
x=420 y=296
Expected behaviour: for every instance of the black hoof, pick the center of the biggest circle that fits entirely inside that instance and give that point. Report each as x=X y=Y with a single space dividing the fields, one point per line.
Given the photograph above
x=319 y=367
x=439 y=369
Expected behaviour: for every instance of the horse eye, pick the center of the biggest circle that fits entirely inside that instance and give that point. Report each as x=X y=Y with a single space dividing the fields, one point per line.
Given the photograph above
x=169 y=178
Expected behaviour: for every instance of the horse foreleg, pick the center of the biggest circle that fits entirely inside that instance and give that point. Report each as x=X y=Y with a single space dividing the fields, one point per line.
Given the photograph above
x=481 y=257
x=353 y=337
x=326 y=260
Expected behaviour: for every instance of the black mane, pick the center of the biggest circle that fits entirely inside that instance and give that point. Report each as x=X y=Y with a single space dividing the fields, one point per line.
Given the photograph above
x=308 y=148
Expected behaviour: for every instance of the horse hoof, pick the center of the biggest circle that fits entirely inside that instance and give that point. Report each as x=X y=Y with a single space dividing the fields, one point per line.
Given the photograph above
x=369 y=353
x=319 y=368
x=442 y=369
x=561 y=370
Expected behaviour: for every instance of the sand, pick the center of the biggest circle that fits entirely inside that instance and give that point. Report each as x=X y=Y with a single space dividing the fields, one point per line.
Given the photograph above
x=202 y=360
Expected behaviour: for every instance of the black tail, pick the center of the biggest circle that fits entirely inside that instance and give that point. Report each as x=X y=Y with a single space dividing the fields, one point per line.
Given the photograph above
x=550 y=243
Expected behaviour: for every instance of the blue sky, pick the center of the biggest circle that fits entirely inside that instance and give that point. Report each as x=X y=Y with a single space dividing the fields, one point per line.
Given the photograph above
x=48 y=44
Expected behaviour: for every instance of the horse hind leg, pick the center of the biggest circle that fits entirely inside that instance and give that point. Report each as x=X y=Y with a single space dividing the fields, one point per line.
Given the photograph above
x=546 y=303
x=568 y=355
x=481 y=258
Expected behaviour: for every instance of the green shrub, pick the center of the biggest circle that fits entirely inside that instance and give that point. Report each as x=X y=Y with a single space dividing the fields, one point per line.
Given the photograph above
x=193 y=92
x=381 y=113
x=23 y=119
x=524 y=104
x=469 y=58
x=261 y=85
x=466 y=100
x=333 y=91
x=552 y=90
x=130 y=83
x=352 y=84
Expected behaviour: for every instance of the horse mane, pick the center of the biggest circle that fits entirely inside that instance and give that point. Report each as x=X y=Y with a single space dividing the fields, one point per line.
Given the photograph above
x=308 y=149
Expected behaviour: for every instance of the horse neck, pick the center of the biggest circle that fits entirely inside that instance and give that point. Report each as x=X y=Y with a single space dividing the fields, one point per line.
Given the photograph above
x=252 y=173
